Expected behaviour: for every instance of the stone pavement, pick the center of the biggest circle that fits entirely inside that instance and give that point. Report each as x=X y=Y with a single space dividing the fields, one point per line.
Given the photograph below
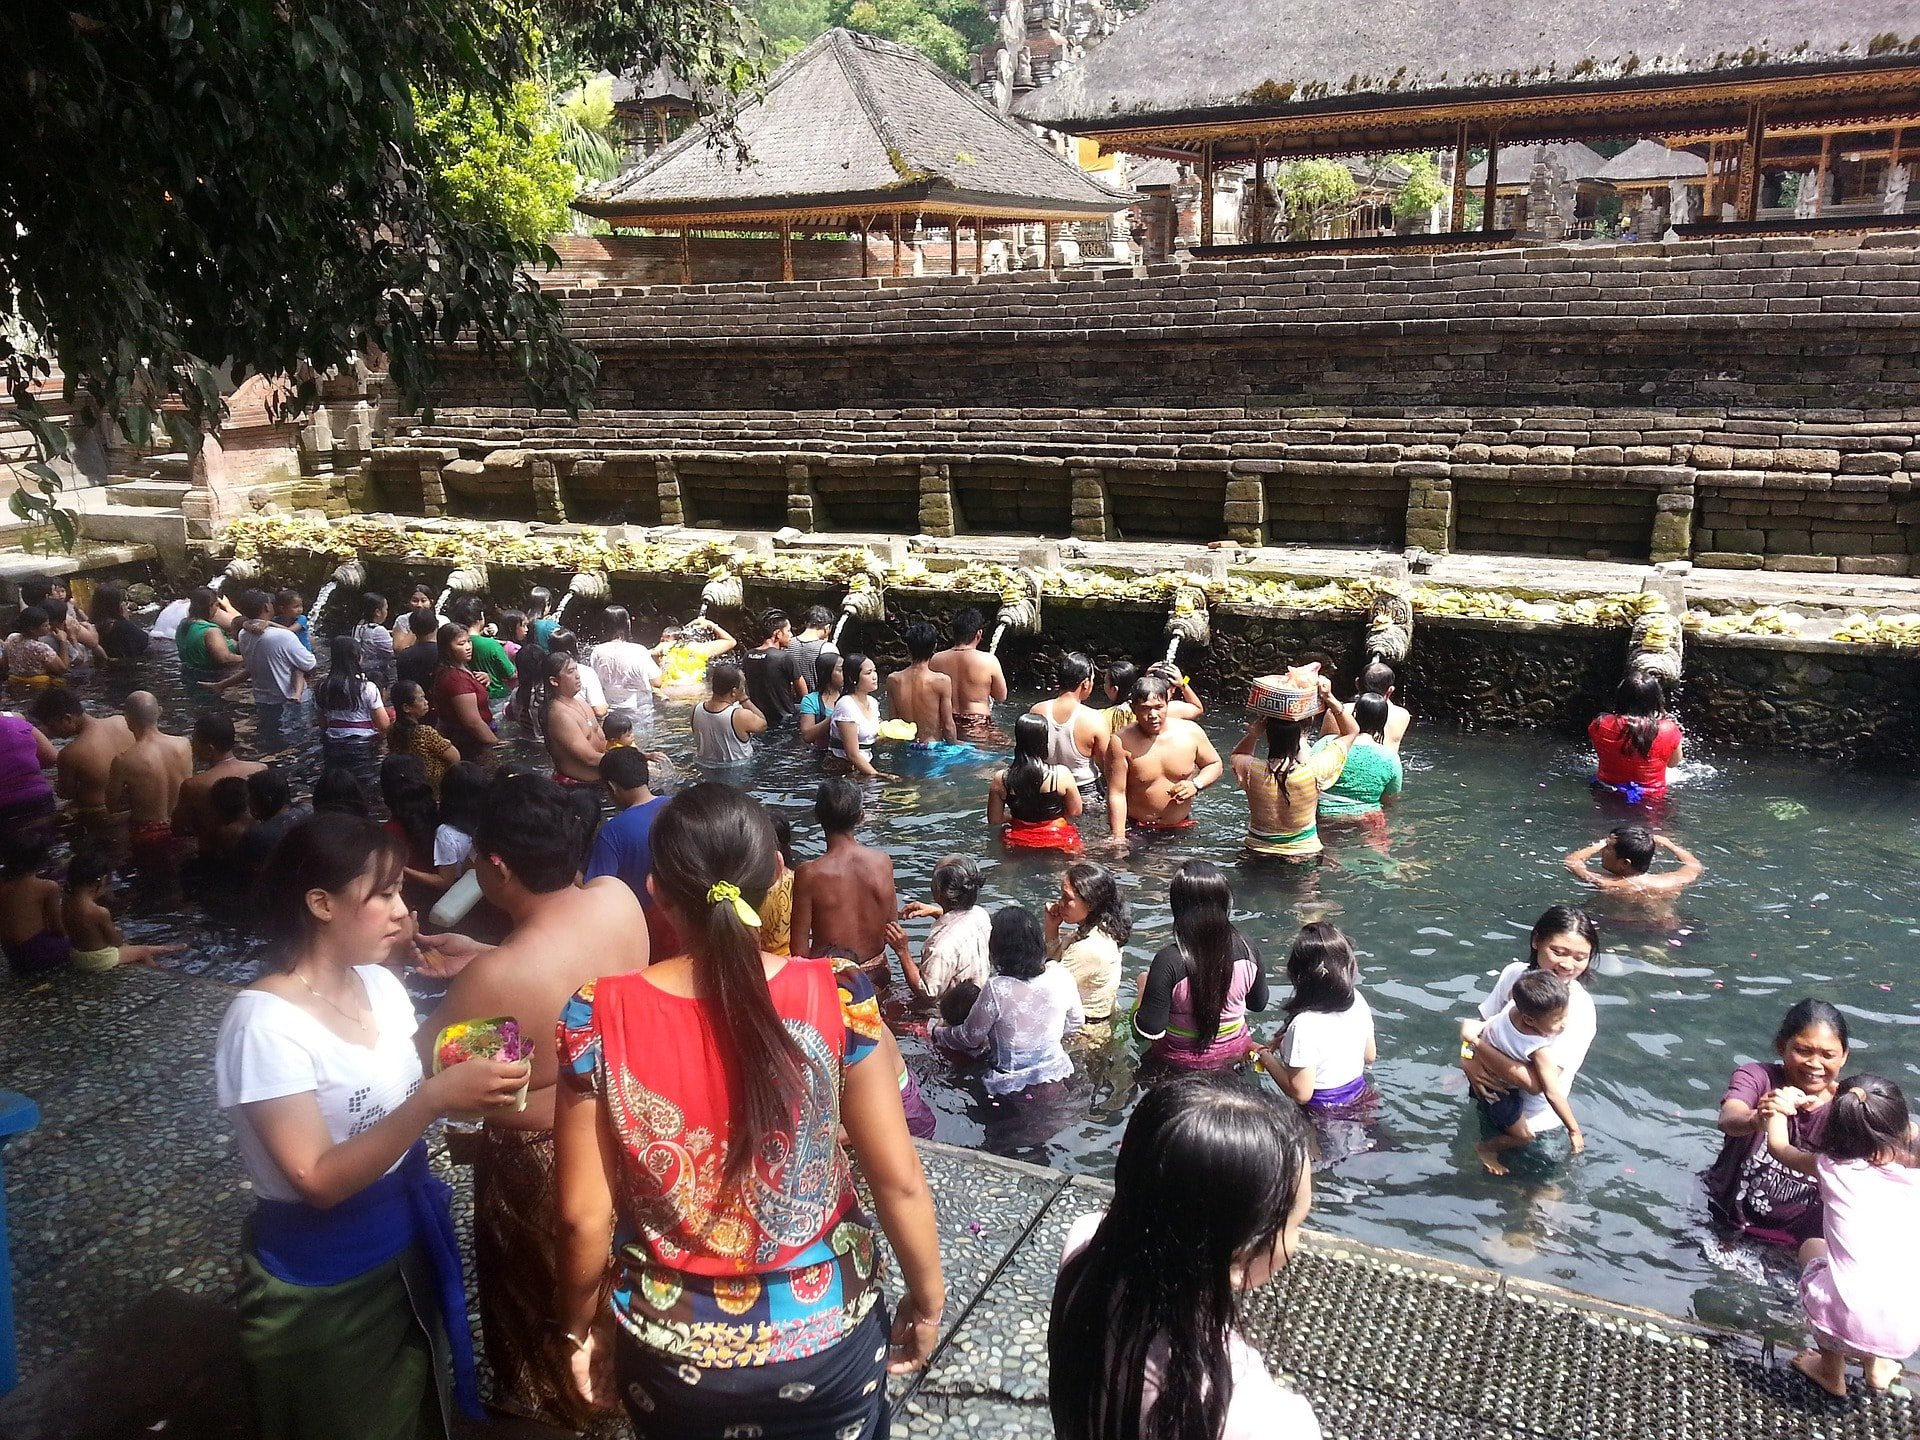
x=131 y=1184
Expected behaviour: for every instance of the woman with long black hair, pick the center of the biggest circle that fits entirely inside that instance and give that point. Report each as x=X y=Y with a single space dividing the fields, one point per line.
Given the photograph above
x=1210 y=1190
x=698 y=1119
x=353 y=715
x=1194 y=1003
x=1035 y=800
x=1636 y=741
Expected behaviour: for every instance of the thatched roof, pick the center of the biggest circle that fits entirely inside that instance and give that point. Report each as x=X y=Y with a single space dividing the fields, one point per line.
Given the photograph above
x=855 y=126
x=1649 y=161
x=1185 y=58
x=1576 y=161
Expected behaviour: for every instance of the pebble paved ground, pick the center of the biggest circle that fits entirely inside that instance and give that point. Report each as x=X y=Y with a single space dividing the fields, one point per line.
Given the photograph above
x=131 y=1184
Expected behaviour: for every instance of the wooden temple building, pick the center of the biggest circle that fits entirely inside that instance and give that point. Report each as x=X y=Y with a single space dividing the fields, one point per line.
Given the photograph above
x=1758 y=88
x=1519 y=172
x=854 y=135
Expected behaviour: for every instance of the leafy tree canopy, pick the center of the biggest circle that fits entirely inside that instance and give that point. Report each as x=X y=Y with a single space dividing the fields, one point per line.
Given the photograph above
x=501 y=165
x=947 y=32
x=1422 y=190
x=1312 y=187
x=192 y=186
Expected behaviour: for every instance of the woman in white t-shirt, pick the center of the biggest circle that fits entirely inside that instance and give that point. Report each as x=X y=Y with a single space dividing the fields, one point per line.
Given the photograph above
x=854 y=727
x=1321 y=1056
x=351 y=1280
x=353 y=714
x=1210 y=1190
x=627 y=671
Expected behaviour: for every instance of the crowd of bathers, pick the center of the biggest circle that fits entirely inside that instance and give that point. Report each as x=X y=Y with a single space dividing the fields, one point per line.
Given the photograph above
x=671 y=1029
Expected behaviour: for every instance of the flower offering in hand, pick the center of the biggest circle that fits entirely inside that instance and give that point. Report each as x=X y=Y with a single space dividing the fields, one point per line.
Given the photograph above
x=498 y=1038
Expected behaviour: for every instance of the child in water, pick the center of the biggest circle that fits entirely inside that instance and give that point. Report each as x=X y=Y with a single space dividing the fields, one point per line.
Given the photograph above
x=1857 y=1285
x=31 y=931
x=90 y=925
x=617 y=730
x=1321 y=1055
x=1533 y=1017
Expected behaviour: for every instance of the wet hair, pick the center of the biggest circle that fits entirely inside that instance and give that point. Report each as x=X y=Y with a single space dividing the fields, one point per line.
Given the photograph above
x=466 y=610
x=1106 y=905
x=957 y=1002
x=1203 y=928
x=401 y=694
x=541 y=692
x=921 y=640
x=967 y=625
x=956 y=884
x=783 y=836
x=57 y=610
x=1539 y=994
x=215 y=731
x=268 y=792
x=615 y=725
x=616 y=623
x=563 y=642
x=1634 y=844
x=530 y=823
x=815 y=617
x=25 y=851
x=708 y=835
x=539 y=601
x=772 y=622
x=35 y=592
x=1376 y=678
x=512 y=624
x=346 y=677
x=338 y=788
x=1283 y=745
x=1072 y=671
x=625 y=769
x=1016 y=945
x=824 y=667
x=837 y=806
x=1371 y=713
x=328 y=850
x=109 y=604
x=200 y=603
x=463 y=793
x=445 y=638
x=1868 y=1120
x=1322 y=970
x=409 y=799
x=227 y=798
x=31 y=619
x=91 y=865
x=372 y=602
x=724 y=677
x=1642 y=705
x=286 y=598
x=851 y=664
x=252 y=604
x=1149 y=687
x=1810 y=1014
x=1564 y=920
x=423 y=623
x=1028 y=770
x=1208 y=1173
x=1120 y=677
x=420 y=590
x=54 y=704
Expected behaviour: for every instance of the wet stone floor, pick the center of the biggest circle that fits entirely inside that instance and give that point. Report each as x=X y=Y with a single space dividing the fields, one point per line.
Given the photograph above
x=131 y=1184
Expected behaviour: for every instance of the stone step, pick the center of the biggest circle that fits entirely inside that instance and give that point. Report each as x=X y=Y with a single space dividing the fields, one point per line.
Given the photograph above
x=161 y=494
x=163 y=528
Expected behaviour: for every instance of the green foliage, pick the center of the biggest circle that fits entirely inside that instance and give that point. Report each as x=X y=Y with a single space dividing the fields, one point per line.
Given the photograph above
x=501 y=166
x=1312 y=188
x=947 y=32
x=244 y=184
x=1423 y=189
x=789 y=24
x=588 y=138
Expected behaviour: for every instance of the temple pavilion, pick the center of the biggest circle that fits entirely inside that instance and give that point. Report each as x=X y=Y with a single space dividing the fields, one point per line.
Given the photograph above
x=1760 y=89
x=852 y=135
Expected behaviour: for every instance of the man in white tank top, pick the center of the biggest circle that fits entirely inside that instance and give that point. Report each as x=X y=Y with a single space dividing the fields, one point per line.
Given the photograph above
x=1076 y=735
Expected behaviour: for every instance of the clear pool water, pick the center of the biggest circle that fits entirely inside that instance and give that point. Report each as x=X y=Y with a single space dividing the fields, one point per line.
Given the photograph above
x=1810 y=889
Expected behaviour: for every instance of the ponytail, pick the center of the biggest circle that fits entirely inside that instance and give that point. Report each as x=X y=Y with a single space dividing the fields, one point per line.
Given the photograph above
x=715 y=855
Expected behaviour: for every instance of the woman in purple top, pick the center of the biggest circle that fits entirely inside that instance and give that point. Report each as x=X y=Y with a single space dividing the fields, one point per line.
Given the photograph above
x=1746 y=1187
x=1195 y=998
x=25 y=793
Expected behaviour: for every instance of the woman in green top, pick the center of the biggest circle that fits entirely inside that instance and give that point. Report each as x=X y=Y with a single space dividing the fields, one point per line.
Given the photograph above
x=201 y=643
x=1372 y=771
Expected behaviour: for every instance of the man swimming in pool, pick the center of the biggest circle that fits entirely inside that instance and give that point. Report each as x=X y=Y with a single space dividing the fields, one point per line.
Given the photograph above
x=920 y=693
x=1626 y=864
x=1157 y=765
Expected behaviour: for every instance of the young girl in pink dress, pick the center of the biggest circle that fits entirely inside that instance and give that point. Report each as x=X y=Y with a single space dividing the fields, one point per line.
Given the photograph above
x=1860 y=1285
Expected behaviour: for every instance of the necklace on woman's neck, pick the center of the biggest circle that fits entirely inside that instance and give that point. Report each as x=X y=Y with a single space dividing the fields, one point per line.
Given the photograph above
x=335 y=1005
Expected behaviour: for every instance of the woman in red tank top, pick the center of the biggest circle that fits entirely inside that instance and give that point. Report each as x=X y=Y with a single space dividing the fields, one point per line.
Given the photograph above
x=1636 y=741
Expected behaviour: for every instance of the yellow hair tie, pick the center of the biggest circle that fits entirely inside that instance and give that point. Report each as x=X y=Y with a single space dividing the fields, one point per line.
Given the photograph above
x=725 y=892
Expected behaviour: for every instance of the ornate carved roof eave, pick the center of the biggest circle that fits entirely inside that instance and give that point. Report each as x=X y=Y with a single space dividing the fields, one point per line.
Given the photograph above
x=1365 y=125
x=834 y=212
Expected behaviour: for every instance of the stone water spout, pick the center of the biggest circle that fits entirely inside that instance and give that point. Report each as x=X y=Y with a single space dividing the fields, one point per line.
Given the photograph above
x=1390 y=619
x=239 y=569
x=353 y=575
x=1655 y=648
x=863 y=601
x=722 y=592
x=588 y=585
x=1019 y=613
x=1187 y=621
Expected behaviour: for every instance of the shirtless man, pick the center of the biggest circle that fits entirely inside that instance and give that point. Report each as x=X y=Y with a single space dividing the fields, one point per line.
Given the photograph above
x=845 y=899
x=145 y=778
x=575 y=741
x=920 y=693
x=1376 y=678
x=1077 y=735
x=1157 y=765
x=1626 y=864
x=193 y=812
x=527 y=853
x=92 y=742
x=977 y=678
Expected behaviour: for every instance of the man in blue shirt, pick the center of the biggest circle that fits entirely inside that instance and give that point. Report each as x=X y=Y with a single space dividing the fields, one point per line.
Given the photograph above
x=624 y=846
